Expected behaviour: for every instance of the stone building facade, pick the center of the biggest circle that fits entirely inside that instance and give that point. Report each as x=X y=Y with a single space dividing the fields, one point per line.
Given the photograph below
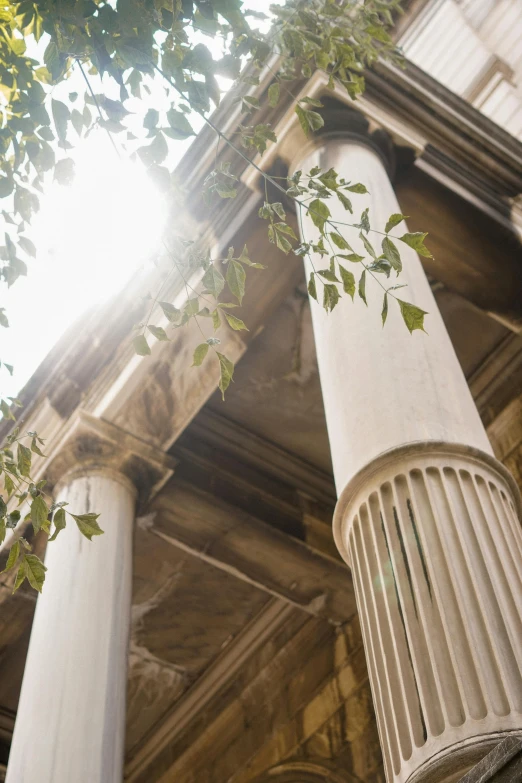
x=215 y=633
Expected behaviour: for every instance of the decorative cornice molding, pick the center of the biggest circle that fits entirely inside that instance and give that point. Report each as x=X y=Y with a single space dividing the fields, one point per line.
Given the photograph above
x=419 y=112
x=263 y=455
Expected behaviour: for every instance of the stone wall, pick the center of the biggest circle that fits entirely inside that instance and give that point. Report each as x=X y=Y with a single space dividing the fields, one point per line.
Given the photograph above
x=310 y=699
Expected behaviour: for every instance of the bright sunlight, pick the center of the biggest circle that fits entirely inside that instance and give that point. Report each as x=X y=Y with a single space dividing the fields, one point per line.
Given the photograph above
x=92 y=236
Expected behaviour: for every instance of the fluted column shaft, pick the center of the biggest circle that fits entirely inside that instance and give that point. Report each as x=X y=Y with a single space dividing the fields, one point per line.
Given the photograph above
x=70 y=722
x=426 y=517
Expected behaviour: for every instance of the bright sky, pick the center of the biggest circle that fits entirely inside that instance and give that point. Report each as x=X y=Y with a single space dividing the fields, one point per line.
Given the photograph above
x=90 y=237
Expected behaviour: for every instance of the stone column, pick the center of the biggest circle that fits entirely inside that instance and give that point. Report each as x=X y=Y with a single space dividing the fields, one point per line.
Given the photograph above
x=70 y=724
x=426 y=517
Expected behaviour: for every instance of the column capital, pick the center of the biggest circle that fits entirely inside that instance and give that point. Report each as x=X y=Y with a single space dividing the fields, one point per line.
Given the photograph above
x=86 y=471
x=94 y=446
x=347 y=123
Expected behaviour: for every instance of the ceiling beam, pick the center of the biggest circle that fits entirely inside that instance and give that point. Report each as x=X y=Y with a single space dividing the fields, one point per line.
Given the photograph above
x=236 y=542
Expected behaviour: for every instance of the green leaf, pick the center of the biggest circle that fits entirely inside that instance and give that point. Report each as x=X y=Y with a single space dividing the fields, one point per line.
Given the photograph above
x=276 y=236
x=392 y=254
x=319 y=213
x=61 y=116
x=199 y=354
x=24 y=460
x=216 y=321
x=35 y=571
x=236 y=279
x=338 y=240
x=284 y=228
x=141 y=345
x=369 y=249
x=20 y=576
x=309 y=120
x=226 y=368
x=27 y=246
x=35 y=448
x=328 y=275
x=6 y=411
x=170 y=312
x=416 y=241
x=329 y=179
x=244 y=257
x=353 y=257
x=77 y=122
x=9 y=484
x=357 y=188
x=13 y=519
x=279 y=210
x=159 y=333
x=88 y=525
x=6 y=186
x=236 y=323
x=364 y=225
x=151 y=119
x=226 y=191
x=39 y=512
x=311 y=102
x=64 y=171
x=2 y=531
x=14 y=554
x=330 y=296
x=312 y=290
x=213 y=281
x=46 y=133
x=362 y=287
x=348 y=281
x=274 y=92
x=156 y=152
x=394 y=220
x=250 y=102
x=59 y=522
x=413 y=316
x=191 y=307
x=384 y=313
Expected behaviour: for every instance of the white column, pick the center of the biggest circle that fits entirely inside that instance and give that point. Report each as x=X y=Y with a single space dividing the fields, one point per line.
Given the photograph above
x=70 y=724
x=426 y=517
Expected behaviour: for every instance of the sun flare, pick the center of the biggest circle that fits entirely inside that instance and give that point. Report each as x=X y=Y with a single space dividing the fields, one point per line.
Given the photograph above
x=92 y=236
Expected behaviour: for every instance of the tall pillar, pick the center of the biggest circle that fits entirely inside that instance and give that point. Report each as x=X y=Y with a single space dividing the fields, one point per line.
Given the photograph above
x=70 y=724
x=426 y=517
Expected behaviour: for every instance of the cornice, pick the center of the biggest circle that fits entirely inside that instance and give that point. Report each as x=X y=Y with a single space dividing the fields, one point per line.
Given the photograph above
x=265 y=457
x=447 y=135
